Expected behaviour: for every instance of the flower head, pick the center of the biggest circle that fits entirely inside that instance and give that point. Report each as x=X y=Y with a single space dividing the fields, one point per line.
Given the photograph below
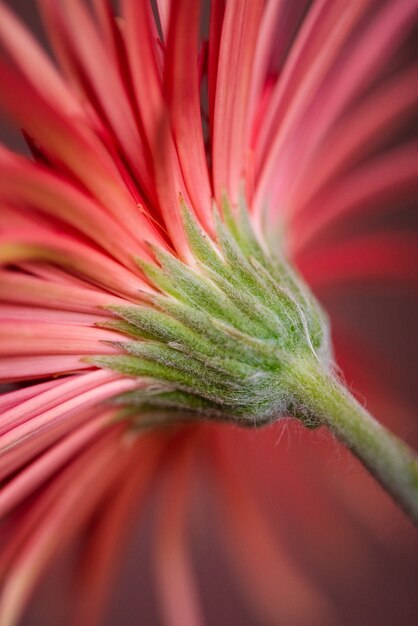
x=145 y=296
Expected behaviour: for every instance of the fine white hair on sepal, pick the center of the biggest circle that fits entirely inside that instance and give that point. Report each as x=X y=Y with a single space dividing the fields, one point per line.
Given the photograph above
x=223 y=334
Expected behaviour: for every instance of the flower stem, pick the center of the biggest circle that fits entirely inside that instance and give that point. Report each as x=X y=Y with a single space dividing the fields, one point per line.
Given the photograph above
x=390 y=460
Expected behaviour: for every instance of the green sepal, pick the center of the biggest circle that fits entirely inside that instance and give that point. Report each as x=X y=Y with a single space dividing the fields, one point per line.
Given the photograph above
x=203 y=294
x=220 y=338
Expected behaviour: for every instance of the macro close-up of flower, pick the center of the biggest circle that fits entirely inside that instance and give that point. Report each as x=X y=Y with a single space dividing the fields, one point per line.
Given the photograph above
x=208 y=300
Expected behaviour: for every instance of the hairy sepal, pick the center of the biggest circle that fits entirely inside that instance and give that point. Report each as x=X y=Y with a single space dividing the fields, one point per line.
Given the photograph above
x=222 y=339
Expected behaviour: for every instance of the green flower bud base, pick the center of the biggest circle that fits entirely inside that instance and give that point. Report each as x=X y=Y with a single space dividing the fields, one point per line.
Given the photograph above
x=237 y=336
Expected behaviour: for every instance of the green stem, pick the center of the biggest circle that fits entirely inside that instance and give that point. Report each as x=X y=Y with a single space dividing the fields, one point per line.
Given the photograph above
x=390 y=460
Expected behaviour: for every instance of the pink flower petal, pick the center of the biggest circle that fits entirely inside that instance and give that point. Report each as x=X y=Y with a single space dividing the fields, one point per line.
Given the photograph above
x=23 y=442
x=102 y=558
x=183 y=96
x=175 y=579
x=33 y=291
x=23 y=182
x=73 y=256
x=26 y=368
x=56 y=519
x=379 y=186
x=45 y=396
x=231 y=124
x=385 y=257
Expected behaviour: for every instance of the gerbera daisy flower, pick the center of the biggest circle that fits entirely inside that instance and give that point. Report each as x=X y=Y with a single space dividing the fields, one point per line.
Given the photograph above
x=148 y=309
